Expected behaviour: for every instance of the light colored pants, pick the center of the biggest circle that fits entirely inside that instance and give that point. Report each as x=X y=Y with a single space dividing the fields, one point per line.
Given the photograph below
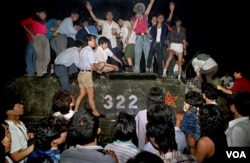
x=142 y=44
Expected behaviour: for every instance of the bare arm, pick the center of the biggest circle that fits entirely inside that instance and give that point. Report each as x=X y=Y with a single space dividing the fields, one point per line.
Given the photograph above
x=224 y=90
x=171 y=7
x=22 y=153
x=204 y=149
x=89 y=7
x=149 y=7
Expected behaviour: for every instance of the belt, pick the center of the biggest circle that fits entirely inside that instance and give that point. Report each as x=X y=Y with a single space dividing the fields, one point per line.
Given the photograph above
x=86 y=70
x=141 y=34
x=59 y=65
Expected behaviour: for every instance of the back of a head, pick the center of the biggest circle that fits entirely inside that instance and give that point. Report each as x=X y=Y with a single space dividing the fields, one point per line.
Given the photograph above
x=124 y=128
x=40 y=159
x=83 y=127
x=61 y=101
x=78 y=43
x=241 y=101
x=163 y=134
x=155 y=96
x=211 y=119
x=145 y=157
x=48 y=129
x=160 y=112
x=194 y=99
x=210 y=91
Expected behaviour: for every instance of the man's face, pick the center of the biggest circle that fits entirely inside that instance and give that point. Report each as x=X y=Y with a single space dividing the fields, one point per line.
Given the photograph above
x=42 y=15
x=109 y=16
x=74 y=17
x=120 y=22
x=92 y=43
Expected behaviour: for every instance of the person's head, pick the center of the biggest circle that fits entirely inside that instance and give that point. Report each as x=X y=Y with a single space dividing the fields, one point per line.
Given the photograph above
x=74 y=14
x=155 y=95
x=5 y=137
x=239 y=104
x=124 y=127
x=145 y=157
x=178 y=21
x=160 y=18
x=240 y=71
x=10 y=104
x=41 y=14
x=193 y=101
x=78 y=44
x=153 y=20
x=162 y=135
x=62 y=101
x=211 y=119
x=85 y=23
x=90 y=40
x=109 y=16
x=160 y=112
x=120 y=21
x=209 y=92
x=103 y=42
x=50 y=132
x=84 y=127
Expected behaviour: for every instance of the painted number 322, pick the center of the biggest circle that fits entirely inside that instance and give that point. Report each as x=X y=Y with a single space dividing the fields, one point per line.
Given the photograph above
x=120 y=102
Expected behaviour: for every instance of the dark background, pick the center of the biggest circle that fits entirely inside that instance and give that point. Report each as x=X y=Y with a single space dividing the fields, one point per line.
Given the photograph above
x=218 y=28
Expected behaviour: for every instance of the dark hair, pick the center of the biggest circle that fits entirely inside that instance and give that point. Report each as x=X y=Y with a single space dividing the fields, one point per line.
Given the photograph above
x=210 y=91
x=211 y=119
x=124 y=127
x=103 y=40
x=83 y=127
x=78 y=43
x=89 y=37
x=8 y=99
x=194 y=99
x=49 y=129
x=61 y=101
x=39 y=159
x=241 y=101
x=145 y=157
x=155 y=96
x=163 y=134
x=160 y=112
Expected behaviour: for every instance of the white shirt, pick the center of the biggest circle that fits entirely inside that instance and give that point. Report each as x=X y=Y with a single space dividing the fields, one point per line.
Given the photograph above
x=107 y=31
x=19 y=137
x=68 y=57
x=124 y=33
x=238 y=132
x=102 y=55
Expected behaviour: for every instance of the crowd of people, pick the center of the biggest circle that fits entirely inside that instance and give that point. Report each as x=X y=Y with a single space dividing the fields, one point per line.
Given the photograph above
x=198 y=133
x=128 y=40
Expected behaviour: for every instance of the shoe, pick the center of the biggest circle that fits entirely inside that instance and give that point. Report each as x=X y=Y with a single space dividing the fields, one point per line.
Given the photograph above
x=101 y=116
x=164 y=75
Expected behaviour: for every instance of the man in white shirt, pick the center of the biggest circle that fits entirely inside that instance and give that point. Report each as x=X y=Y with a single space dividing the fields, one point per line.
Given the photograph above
x=238 y=131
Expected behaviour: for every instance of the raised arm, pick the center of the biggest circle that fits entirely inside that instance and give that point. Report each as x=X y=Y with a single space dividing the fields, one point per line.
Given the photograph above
x=149 y=7
x=89 y=8
x=171 y=7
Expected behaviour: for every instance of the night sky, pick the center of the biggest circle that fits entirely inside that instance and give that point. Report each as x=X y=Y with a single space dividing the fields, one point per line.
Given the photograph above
x=218 y=28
